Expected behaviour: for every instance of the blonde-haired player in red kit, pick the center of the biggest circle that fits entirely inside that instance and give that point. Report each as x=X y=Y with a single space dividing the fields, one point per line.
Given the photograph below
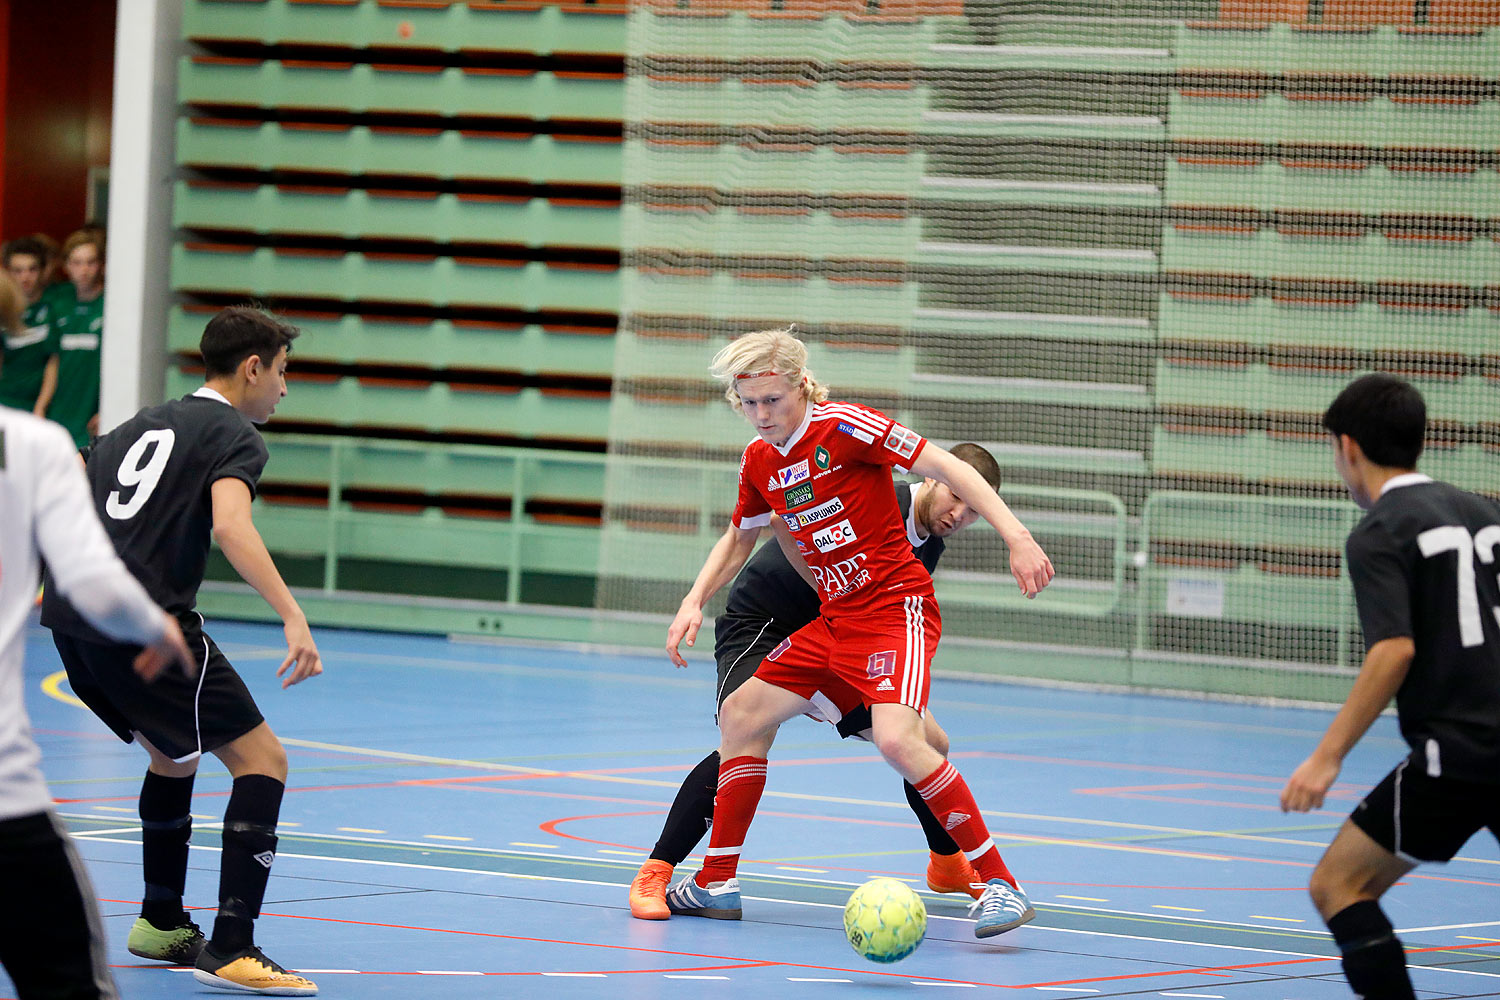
x=823 y=468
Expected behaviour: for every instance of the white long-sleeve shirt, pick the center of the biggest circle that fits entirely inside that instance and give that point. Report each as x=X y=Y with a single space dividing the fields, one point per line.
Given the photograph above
x=46 y=512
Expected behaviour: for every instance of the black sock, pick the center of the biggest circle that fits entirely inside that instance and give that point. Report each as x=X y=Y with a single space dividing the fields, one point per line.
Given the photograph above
x=166 y=827
x=1374 y=961
x=249 y=850
x=691 y=814
x=937 y=838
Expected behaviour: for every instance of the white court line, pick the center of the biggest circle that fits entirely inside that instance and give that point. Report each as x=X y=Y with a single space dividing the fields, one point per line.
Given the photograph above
x=1449 y=927
x=669 y=976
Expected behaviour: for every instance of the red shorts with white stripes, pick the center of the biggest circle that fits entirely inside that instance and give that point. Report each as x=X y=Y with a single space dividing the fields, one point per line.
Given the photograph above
x=877 y=658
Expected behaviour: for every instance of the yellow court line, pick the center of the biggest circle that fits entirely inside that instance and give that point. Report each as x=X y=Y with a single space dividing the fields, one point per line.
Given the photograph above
x=52 y=687
x=1184 y=909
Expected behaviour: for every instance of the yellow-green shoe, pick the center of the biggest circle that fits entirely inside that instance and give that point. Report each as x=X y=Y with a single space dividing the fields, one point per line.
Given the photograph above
x=180 y=945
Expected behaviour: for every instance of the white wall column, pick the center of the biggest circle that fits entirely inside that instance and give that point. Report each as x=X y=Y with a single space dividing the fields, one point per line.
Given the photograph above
x=142 y=164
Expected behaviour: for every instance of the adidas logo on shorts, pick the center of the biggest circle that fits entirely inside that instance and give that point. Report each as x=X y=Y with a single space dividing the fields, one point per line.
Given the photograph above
x=956 y=819
x=885 y=685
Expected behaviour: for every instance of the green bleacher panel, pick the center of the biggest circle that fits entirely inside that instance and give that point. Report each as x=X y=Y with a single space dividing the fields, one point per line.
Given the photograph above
x=1380 y=50
x=1262 y=321
x=1261 y=388
x=362 y=149
x=346 y=463
x=426 y=539
x=712 y=34
x=269 y=208
x=824 y=104
x=807 y=300
x=881 y=370
x=1258 y=457
x=962 y=323
x=264 y=272
x=363 y=87
x=1370 y=256
x=542 y=27
x=668 y=161
x=437 y=407
x=1373 y=121
x=441 y=343
x=743 y=230
x=1371 y=188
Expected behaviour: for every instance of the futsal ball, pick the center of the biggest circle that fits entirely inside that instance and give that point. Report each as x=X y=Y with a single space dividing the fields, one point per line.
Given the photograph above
x=885 y=920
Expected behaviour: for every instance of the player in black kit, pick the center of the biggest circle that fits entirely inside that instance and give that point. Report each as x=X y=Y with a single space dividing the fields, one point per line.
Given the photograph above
x=1423 y=562
x=163 y=482
x=769 y=601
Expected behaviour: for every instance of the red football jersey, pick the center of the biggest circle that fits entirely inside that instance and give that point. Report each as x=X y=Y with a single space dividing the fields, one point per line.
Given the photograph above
x=831 y=484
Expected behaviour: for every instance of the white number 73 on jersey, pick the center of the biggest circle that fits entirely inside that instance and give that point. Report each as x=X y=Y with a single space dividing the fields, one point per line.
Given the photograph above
x=1455 y=538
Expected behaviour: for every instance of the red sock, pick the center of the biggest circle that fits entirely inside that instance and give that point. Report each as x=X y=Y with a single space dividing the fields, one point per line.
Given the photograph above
x=949 y=798
x=741 y=780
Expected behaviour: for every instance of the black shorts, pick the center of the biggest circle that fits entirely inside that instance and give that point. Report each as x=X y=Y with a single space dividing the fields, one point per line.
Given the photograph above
x=1422 y=818
x=181 y=716
x=51 y=938
x=740 y=644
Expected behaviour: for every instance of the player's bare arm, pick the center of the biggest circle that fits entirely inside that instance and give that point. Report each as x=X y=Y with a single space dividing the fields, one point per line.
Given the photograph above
x=724 y=561
x=1379 y=679
x=1028 y=563
x=49 y=387
x=789 y=549
x=246 y=551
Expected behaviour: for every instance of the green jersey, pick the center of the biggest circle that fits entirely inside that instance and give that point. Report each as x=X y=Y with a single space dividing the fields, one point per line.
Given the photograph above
x=26 y=356
x=80 y=328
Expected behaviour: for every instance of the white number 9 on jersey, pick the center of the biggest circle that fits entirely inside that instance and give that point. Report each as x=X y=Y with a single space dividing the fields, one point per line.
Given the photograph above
x=141 y=472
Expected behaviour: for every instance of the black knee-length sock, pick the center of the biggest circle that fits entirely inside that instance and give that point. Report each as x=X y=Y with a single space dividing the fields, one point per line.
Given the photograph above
x=692 y=812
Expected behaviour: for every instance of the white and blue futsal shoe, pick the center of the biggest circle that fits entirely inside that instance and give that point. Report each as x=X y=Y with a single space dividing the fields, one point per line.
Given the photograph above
x=720 y=901
x=1001 y=908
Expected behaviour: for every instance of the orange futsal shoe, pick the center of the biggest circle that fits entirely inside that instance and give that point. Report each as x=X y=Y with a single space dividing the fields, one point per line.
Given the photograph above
x=648 y=893
x=953 y=873
x=249 y=971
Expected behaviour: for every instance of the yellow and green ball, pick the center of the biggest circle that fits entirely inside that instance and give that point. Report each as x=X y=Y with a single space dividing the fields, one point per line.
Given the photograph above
x=885 y=920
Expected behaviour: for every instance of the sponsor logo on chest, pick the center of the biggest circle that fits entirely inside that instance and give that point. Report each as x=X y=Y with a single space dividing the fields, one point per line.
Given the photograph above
x=799 y=495
x=802 y=518
x=834 y=536
x=79 y=342
x=790 y=476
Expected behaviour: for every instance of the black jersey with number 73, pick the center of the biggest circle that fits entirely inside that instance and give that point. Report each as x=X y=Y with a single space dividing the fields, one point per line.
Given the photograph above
x=1425 y=563
x=152 y=479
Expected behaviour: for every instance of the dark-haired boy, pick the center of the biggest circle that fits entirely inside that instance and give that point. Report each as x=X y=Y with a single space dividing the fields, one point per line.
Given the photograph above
x=28 y=378
x=1423 y=562
x=163 y=482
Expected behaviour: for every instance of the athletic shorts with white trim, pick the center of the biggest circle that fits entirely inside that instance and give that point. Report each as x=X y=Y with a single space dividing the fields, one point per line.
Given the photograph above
x=881 y=657
x=181 y=716
x=1421 y=818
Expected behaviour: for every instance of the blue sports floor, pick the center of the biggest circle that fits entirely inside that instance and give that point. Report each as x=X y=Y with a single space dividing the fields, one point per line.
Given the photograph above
x=463 y=821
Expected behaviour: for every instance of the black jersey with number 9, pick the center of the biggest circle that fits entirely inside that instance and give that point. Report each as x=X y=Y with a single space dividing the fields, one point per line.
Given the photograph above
x=152 y=479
